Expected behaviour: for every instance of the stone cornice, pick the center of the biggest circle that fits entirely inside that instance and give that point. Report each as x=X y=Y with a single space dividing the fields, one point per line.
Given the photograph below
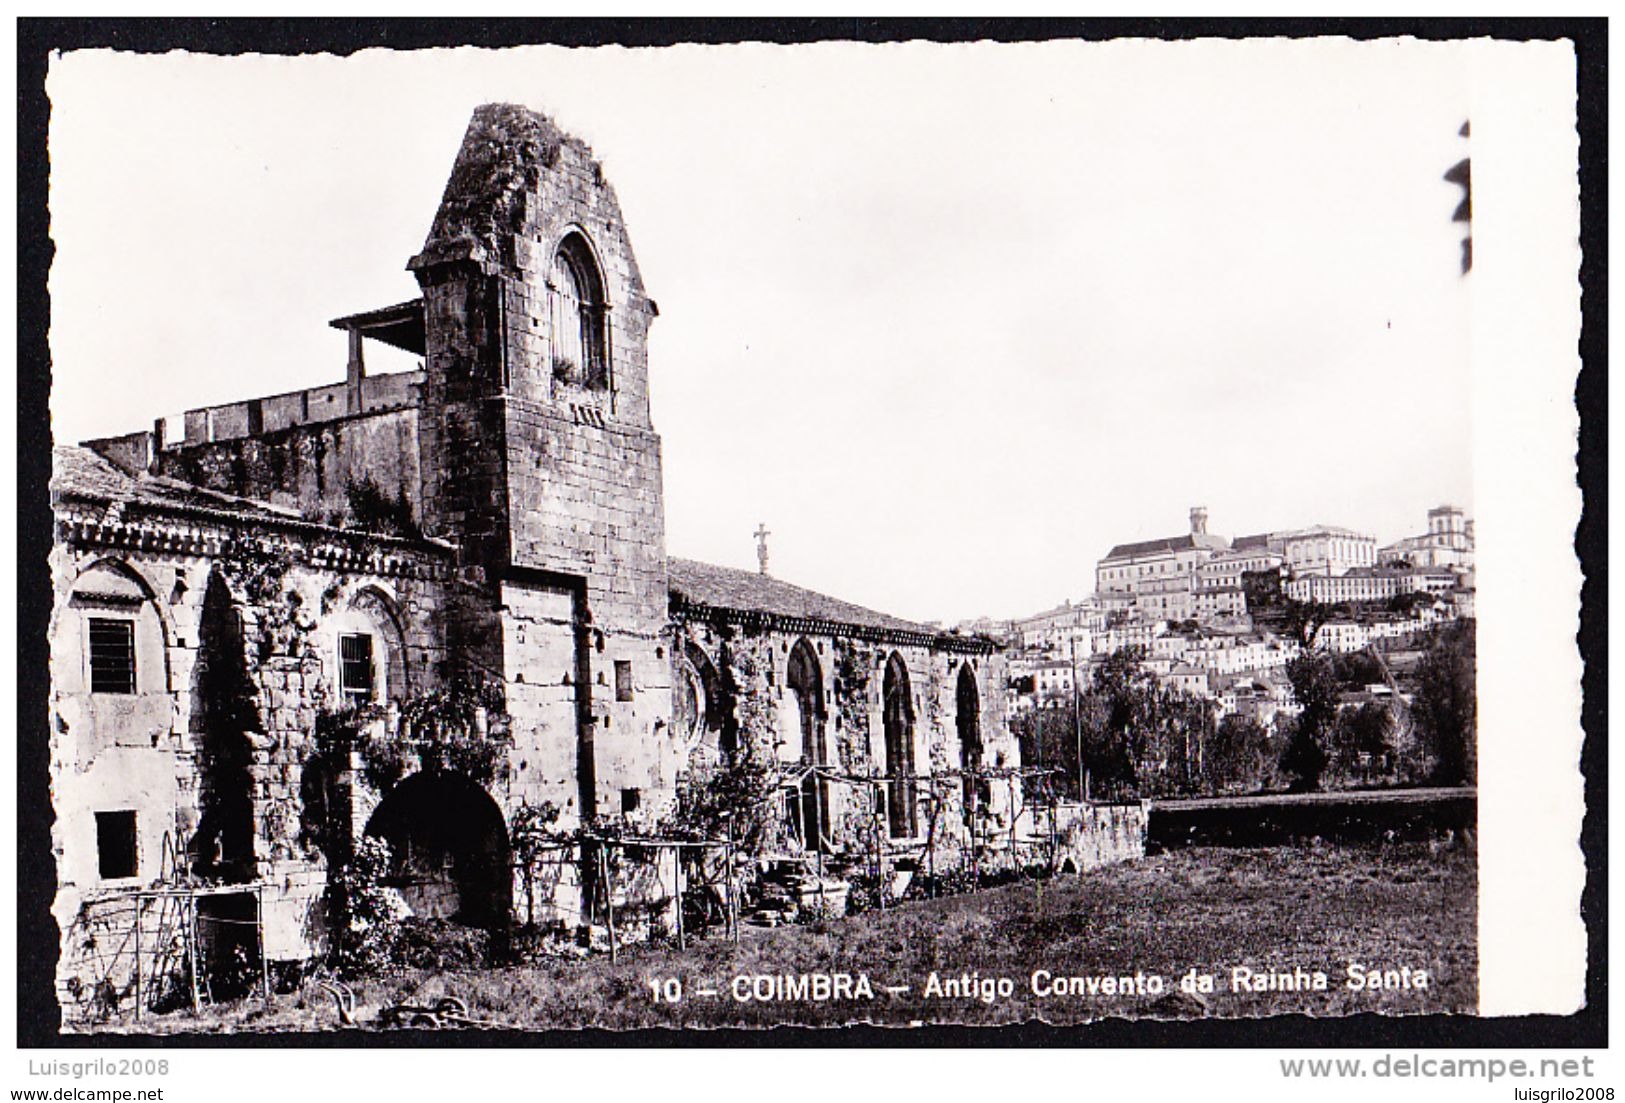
x=359 y=553
x=684 y=610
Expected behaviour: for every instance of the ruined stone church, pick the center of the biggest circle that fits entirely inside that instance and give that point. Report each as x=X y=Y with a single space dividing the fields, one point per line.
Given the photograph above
x=226 y=582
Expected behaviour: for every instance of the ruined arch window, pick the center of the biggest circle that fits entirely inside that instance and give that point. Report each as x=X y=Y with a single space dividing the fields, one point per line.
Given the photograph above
x=807 y=804
x=701 y=710
x=967 y=719
x=805 y=680
x=576 y=313
x=898 y=720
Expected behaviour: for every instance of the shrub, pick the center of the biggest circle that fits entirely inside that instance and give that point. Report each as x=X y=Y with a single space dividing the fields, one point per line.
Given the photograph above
x=439 y=944
x=372 y=911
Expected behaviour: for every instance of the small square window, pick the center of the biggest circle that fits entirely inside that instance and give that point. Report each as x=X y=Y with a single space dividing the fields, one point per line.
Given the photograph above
x=115 y=845
x=112 y=655
x=623 y=680
x=355 y=668
x=631 y=800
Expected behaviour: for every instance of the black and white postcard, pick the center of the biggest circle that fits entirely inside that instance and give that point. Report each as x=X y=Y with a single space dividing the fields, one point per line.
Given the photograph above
x=744 y=536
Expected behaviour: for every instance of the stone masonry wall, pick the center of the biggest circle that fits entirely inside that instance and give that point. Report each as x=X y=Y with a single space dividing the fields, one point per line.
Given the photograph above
x=148 y=752
x=312 y=469
x=852 y=672
x=299 y=451
x=1093 y=835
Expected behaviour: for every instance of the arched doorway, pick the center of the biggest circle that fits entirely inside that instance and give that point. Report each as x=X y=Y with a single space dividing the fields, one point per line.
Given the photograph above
x=449 y=847
x=967 y=718
x=898 y=719
x=809 y=803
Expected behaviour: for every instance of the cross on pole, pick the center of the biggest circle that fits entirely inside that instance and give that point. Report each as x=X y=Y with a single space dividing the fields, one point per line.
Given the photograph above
x=761 y=535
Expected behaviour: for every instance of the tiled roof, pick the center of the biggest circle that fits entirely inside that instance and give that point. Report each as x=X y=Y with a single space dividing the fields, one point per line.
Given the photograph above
x=1185 y=542
x=78 y=472
x=81 y=472
x=730 y=588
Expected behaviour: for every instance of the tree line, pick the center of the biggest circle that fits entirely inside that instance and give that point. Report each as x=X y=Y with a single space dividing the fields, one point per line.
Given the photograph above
x=1126 y=735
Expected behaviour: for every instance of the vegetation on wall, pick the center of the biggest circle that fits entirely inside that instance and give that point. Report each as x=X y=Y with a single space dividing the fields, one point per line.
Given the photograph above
x=485 y=197
x=854 y=663
x=373 y=510
x=463 y=728
x=259 y=572
x=737 y=795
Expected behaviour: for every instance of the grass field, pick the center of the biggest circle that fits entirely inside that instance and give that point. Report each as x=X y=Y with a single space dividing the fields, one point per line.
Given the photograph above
x=1270 y=910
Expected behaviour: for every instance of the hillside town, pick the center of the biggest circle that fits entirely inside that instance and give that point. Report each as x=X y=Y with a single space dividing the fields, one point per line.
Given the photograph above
x=1220 y=619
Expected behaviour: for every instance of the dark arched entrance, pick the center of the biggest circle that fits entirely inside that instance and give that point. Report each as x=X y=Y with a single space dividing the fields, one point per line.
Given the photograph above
x=449 y=846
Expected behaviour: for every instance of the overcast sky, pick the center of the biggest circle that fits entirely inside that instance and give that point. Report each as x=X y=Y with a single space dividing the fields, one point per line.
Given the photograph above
x=950 y=320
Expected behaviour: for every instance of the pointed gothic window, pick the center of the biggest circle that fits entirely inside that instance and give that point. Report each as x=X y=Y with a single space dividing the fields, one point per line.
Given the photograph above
x=807 y=804
x=576 y=316
x=898 y=721
x=975 y=791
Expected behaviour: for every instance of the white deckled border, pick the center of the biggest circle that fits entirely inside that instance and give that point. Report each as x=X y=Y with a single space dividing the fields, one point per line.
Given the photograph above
x=1525 y=355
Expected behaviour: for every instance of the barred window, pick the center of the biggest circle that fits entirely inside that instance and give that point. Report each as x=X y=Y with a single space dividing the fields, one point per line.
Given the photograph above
x=112 y=655
x=355 y=668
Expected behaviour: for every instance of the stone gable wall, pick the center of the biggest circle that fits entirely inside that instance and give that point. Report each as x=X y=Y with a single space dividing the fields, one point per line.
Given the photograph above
x=549 y=485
